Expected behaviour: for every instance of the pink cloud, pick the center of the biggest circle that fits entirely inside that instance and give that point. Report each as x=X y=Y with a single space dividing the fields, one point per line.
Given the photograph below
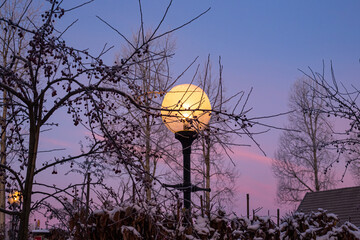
x=246 y=155
x=89 y=134
x=56 y=142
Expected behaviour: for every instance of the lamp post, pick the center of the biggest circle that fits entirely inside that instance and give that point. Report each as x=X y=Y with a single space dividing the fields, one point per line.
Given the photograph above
x=186 y=112
x=14 y=199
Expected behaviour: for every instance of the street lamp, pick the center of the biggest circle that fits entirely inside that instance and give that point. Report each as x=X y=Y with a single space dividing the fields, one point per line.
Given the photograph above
x=14 y=198
x=186 y=111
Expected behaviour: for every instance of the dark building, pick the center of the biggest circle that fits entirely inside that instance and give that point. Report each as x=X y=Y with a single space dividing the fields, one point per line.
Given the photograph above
x=344 y=202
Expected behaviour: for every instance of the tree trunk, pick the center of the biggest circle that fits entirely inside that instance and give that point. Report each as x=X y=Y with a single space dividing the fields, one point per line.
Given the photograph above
x=147 y=163
x=147 y=152
x=206 y=148
x=316 y=169
x=3 y=161
x=33 y=147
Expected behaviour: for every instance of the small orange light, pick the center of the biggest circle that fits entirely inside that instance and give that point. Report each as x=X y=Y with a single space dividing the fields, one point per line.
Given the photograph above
x=14 y=197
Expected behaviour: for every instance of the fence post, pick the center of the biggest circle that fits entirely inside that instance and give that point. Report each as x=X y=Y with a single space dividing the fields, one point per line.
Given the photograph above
x=201 y=206
x=248 y=207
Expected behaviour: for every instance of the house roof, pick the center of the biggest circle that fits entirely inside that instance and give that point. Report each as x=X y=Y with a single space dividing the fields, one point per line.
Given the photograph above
x=344 y=202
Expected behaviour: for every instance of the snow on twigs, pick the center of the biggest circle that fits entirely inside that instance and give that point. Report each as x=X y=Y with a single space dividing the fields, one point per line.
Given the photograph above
x=134 y=221
x=319 y=225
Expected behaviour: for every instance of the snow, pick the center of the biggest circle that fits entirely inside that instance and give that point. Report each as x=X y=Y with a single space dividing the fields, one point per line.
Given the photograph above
x=113 y=212
x=254 y=227
x=332 y=215
x=40 y=231
x=131 y=229
x=190 y=237
x=201 y=225
x=98 y=211
x=319 y=225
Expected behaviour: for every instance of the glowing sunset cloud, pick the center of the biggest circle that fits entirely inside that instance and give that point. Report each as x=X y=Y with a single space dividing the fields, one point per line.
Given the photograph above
x=89 y=134
x=253 y=156
x=56 y=142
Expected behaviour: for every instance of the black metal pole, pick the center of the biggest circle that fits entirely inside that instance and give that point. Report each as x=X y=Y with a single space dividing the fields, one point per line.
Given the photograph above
x=186 y=138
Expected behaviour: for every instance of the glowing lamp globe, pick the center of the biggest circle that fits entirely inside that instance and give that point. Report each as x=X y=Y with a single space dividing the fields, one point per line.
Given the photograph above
x=14 y=197
x=186 y=107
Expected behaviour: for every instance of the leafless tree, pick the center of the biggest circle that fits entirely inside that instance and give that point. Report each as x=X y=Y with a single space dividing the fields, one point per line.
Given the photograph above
x=54 y=79
x=301 y=159
x=341 y=102
x=152 y=72
x=352 y=158
x=214 y=168
x=11 y=41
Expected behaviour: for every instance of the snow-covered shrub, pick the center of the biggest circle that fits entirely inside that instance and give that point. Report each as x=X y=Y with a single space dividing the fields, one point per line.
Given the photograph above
x=257 y=228
x=143 y=221
x=319 y=225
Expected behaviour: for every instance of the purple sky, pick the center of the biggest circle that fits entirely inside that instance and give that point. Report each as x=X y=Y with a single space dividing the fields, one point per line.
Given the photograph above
x=262 y=45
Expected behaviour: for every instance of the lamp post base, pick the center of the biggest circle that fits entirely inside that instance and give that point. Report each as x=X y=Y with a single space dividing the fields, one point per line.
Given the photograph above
x=186 y=139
